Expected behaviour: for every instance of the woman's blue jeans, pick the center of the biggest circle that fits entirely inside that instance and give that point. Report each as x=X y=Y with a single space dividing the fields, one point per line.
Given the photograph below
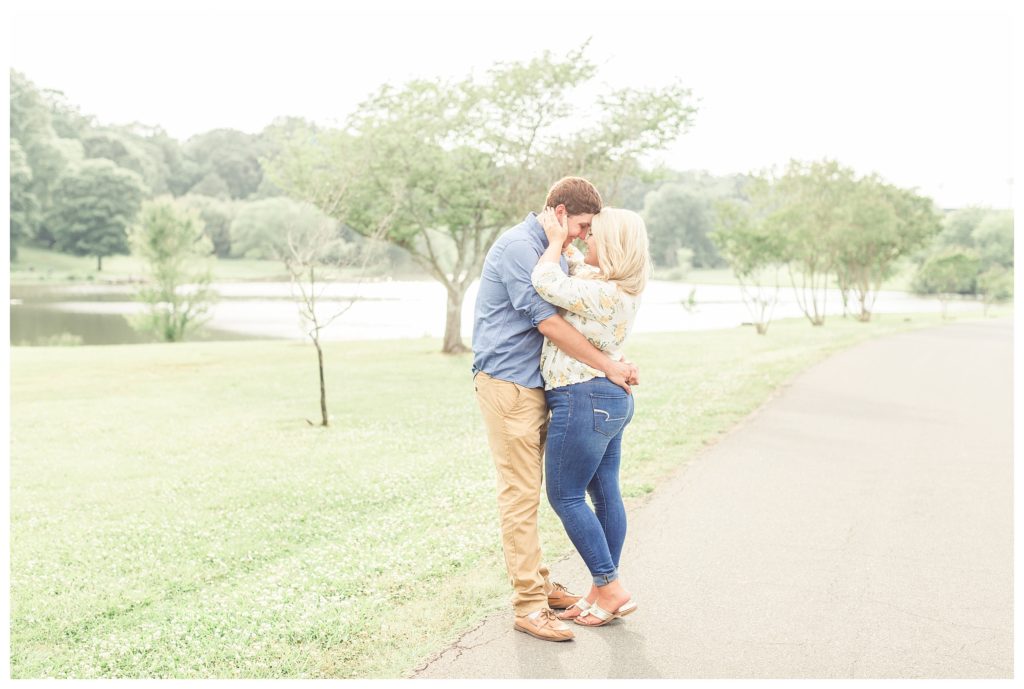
x=584 y=446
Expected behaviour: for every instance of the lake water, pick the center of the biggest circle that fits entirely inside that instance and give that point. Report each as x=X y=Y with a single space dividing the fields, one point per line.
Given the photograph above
x=381 y=310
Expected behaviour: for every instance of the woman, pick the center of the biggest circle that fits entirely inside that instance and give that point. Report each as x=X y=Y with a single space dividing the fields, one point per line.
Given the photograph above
x=589 y=413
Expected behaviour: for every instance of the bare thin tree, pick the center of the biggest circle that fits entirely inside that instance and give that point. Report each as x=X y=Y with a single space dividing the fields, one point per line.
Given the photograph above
x=315 y=257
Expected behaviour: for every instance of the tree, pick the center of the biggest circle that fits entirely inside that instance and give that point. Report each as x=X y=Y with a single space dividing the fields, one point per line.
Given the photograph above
x=634 y=188
x=170 y=239
x=995 y=286
x=269 y=144
x=24 y=206
x=949 y=271
x=811 y=213
x=181 y=172
x=883 y=224
x=959 y=226
x=95 y=203
x=315 y=252
x=630 y=125
x=678 y=218
x=66 y=118
x=46 y=154
x=217 y=215
x=259 y=229
x=30 y=118
x=972 y=238
x=993 y=238
x=755 y=249
x=230 y=154
x=212 y=185
x=467 y=159
x=131 y=151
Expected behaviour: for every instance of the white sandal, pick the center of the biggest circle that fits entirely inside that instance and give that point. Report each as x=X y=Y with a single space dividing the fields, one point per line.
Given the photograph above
x=605 y=616
x=582 y=604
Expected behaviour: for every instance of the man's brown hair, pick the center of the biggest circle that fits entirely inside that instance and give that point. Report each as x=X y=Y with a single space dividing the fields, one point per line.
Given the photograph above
x=578 y=195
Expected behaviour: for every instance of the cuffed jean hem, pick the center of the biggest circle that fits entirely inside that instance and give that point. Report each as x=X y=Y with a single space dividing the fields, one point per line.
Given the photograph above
x=605 y=579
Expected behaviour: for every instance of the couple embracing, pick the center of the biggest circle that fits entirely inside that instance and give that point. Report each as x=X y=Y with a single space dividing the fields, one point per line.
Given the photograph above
x=554 y=389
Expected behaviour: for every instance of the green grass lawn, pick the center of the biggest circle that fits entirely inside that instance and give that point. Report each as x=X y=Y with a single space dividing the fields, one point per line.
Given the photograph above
x=174 y=515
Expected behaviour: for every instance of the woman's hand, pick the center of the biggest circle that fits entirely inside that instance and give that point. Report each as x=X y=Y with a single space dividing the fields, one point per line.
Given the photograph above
x=557 y=231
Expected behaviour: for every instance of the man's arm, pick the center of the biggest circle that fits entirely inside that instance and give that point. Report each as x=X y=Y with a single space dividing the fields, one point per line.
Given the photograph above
x=573 y=343
x=519 y=259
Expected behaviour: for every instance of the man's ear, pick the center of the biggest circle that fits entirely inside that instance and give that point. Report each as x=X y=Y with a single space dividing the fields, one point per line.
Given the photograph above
x=560 y=212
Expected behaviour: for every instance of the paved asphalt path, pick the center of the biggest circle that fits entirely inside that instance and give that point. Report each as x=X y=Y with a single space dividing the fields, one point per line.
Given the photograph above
x=858 y=525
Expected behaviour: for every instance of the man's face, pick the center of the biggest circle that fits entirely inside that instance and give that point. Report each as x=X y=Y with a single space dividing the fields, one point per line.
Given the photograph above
x=579 y=225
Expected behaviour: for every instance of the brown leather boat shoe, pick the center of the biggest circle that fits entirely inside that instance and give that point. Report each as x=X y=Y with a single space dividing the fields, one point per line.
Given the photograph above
x=545 y=626
x=559 y=598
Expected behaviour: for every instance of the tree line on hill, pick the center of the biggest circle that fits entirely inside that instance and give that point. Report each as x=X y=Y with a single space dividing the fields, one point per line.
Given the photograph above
x=78 y=184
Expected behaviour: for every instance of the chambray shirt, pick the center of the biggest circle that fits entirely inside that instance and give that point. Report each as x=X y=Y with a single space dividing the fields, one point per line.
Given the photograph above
x=506 y=342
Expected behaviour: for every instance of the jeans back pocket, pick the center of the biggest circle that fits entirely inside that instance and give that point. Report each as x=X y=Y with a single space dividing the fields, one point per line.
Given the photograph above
x=611 y=412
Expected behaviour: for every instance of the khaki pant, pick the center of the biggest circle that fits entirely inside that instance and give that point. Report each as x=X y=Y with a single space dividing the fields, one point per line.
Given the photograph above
x=516 y=419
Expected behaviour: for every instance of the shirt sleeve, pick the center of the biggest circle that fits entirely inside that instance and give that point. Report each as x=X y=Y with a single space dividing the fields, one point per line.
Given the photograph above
x=519 y=259
x=582 y=296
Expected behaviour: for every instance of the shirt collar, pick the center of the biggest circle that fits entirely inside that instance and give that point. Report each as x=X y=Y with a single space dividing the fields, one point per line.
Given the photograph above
x=535 y=228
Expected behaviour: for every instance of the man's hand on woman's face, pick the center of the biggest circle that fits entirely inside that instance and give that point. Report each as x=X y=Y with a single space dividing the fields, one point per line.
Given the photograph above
x=556 y=230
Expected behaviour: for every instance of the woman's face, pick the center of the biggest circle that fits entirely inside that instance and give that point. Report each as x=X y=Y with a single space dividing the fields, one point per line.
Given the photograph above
x=591 y=257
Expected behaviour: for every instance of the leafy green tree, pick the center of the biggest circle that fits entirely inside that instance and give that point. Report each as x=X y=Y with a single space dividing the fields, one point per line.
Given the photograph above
x=949 y=271
x=66 y=118
x=985 y=235
x=270 y=143
x=132 y=151
x=30 y=118
x=24 y=206
x=677 y=218
x=883 y=224
x=959 y=225
x=171 y=240
x=993 y=238
x=96 y=201
x=213 y=186
x=811 y=214
x=700 y=183
x=634 y=188
x=46 y=154
x=229 y=154
x=449 y=165
x=217 y=216
x=180 y=173
x=995 y=286
x=631 y=124
x=754 y=248
x=260 y=228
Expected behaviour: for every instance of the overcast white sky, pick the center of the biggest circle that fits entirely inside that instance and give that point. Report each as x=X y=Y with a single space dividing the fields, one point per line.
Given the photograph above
x=923 y=96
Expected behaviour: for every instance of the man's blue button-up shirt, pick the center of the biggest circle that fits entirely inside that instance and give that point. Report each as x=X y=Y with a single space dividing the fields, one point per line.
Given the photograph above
x=506 y=342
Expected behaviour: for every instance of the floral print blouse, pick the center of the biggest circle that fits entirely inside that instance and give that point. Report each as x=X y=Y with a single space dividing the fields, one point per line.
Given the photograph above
x=595 y=307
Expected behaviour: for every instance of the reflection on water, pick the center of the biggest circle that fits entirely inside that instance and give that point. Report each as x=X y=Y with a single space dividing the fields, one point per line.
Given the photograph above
x=32 y=324
x=383 y=310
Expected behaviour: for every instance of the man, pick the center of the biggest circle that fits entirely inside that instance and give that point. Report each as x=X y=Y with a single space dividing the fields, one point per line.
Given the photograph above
x=511 y=322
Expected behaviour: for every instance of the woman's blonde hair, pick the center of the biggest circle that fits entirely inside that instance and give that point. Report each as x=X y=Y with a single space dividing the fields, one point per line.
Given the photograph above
x=623 y=250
